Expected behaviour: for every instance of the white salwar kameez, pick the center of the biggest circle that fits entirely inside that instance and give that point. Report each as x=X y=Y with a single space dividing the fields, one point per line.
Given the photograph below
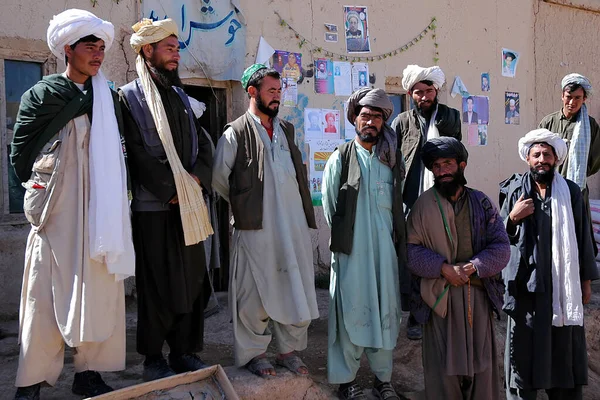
x=67 y=297
x=272 y=273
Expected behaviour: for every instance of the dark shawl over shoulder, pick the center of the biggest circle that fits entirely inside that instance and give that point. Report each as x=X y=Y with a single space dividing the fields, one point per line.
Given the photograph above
x=40 y=106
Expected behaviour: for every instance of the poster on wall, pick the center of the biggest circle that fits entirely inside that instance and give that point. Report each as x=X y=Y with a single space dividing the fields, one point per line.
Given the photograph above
x=485 y=82
x=475 y=110
x=511 y=108
x=477 y=135
x=289 y=92
x=342 y=78
x=510 y=59
x=357 y=29
x=323 y=76
x=320 y=150
x=360 y=76
x=288 y=64
x=320 y=123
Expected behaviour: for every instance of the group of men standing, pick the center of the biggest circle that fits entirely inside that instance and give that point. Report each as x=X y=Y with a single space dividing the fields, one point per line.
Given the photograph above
x=407 y=234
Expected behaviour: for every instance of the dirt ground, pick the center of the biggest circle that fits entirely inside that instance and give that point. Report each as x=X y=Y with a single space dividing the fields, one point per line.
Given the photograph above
x=407 y=377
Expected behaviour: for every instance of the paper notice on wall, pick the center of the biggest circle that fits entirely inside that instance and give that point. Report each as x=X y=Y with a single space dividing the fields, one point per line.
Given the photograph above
x=342 y=78
x=360 y=76
x=349 y=131
x=323 y=76
x=319 y=152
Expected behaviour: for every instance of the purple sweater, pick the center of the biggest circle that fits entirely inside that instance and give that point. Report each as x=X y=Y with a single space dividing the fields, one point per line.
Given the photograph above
x=491 y=249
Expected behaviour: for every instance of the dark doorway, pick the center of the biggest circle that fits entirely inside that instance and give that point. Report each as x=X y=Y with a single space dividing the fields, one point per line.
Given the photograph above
x=214 y=120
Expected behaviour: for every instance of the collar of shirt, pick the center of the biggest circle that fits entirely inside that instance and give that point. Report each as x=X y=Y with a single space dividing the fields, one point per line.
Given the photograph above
x=572 y=119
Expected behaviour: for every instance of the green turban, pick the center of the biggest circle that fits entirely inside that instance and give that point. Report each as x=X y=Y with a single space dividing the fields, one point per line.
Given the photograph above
x=251 y=70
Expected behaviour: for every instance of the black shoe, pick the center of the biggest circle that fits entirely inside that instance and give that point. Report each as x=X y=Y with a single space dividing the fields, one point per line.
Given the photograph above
x=414 y=330
x=186 y=362
x=89 y=384
x=28 y=392
x=351 y=392
x=156 y=369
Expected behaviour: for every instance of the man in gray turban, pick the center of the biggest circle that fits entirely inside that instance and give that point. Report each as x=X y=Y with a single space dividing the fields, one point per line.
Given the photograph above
x=362 y=202
x=457 y=246
x=581 y=132
x=414 y=127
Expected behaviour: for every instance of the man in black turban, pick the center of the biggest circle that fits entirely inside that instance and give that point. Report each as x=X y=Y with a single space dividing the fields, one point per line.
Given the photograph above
x=443 y=149
x=457 y=246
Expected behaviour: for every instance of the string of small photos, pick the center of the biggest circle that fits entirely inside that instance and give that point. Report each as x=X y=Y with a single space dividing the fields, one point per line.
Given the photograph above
x=431 y=27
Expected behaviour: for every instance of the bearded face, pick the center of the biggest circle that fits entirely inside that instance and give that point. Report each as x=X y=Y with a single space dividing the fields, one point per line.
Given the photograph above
x=448 y=183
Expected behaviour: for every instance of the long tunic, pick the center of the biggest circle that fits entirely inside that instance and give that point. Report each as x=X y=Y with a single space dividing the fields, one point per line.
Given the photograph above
x=366 y=282
x=539 y=355
x=280 y=254
x=89 y=304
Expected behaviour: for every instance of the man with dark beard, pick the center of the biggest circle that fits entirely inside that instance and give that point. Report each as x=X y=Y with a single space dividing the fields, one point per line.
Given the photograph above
x=427 y=120
x=548 y=279
x=258 y=169
x=362 y=202
x=458 y=246
x=168 y=158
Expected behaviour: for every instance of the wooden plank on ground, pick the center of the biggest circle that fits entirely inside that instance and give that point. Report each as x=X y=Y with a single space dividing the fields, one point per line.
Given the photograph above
x=211 y=381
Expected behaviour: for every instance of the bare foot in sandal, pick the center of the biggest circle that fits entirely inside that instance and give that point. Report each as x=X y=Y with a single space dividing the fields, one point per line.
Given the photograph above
x=261 y=366
x=292 y=362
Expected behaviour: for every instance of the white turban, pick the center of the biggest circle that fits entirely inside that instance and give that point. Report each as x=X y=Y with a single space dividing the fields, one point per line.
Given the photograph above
x=414 y=74
x=148 y=32
x=580 y=80
x=543 y=136
x=71 y=25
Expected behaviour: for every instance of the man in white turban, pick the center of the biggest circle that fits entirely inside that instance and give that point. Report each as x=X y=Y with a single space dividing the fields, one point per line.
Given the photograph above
x=170 y=163
x=429 y=119
x=67 y=151
x=580 y=131
x=548 y=279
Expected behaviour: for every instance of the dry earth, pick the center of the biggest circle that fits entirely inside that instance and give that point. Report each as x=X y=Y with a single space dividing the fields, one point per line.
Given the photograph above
x=407 y=377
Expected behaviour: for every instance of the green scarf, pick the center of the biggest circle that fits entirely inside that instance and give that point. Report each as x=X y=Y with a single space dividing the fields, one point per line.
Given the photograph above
x=45 y=109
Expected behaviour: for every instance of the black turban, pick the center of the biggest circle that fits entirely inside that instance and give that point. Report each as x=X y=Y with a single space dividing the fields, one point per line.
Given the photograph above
x=443 y=147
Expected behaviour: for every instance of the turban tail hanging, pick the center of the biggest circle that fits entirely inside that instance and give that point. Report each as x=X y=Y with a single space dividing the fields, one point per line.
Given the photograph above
x=194 y=213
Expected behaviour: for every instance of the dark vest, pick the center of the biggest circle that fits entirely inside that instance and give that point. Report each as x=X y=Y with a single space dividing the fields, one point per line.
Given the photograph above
x=246 y=181
x=143 y=200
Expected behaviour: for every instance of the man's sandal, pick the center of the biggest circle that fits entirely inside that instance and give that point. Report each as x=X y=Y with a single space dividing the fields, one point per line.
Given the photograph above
x=260 y=364
x=385 y=391
x=293 y=363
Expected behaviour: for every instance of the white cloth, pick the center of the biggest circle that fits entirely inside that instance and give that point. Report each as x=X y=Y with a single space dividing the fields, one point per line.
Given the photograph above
x=198 y=107
x=71 y=25
x=545 y=136
x=567 y=302
x=109 y=222
x=414 y=74
x=432 y=132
